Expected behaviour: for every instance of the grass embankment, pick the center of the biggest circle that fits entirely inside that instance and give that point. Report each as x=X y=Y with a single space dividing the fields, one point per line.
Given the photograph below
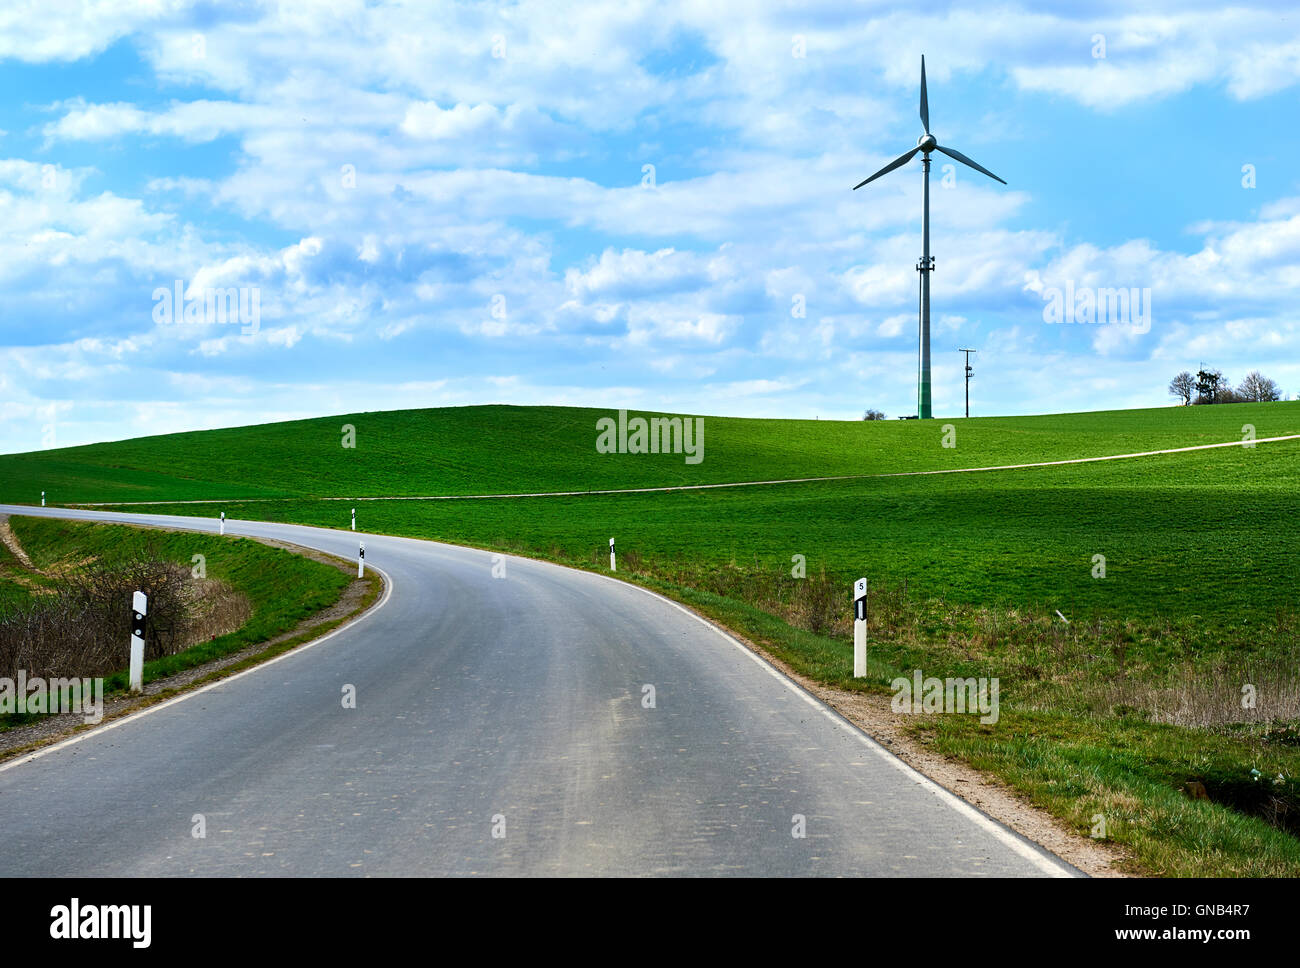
x=1111 y=716
x=501 y=449
x=281 y=587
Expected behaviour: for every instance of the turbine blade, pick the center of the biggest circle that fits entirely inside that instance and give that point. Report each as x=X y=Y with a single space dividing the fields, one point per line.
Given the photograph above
x=954 y=153
x=896 y=163
x=925 y=102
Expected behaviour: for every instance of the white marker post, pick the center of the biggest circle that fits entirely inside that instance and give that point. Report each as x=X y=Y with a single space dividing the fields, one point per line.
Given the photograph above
x=223 y=522
x=42 y=499
x=611 y=555
x=354 y=519
x=859 y=628
x=140 y=609
x=361 y=561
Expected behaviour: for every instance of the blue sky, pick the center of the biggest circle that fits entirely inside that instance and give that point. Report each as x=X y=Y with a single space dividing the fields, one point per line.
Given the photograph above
x=444 y=204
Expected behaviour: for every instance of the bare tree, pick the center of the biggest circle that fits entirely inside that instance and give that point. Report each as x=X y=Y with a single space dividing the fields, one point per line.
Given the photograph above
x=1228 y=394
x=1183 y=386
x=873 y=415
x=1258 y=388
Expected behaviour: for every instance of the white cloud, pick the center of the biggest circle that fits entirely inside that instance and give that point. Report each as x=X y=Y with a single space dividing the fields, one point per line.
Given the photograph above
x=474 y=175
x=36 y=31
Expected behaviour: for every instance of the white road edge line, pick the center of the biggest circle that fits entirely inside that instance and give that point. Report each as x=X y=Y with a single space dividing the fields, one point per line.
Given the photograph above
x=130 y=717
x=1049 y=864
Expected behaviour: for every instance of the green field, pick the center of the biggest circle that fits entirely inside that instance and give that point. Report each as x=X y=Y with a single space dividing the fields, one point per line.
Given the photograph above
x=500 y=449
x=1111 y=714
x=1203 y=534
x=1206 y=534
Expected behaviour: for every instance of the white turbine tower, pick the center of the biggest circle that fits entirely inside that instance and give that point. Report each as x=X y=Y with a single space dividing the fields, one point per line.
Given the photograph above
x=925 y=144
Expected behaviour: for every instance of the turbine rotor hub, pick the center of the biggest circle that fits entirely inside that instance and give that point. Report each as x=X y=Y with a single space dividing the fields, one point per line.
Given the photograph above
x=927 y=143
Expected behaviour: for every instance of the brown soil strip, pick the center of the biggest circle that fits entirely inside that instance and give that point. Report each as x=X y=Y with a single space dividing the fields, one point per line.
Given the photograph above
x=10 y=541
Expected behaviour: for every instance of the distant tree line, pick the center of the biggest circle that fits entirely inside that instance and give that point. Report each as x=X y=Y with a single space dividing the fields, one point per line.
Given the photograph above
x=873 y=415
x=1211 y=386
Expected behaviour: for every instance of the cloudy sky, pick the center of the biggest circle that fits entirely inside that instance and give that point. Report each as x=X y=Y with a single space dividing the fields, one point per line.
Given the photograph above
x=643 y=205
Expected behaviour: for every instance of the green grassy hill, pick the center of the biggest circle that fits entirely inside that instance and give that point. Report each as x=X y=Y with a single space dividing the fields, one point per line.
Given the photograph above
x=501 y=449
x=1201 y=534
x=1217 y=522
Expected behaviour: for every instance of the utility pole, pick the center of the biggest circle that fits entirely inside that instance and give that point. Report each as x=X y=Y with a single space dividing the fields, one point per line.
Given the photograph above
x=969 y=371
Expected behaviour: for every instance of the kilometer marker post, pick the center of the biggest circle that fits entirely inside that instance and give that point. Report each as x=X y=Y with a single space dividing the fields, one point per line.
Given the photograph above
x=859 y=628
x=611 y=555
x=139 y=611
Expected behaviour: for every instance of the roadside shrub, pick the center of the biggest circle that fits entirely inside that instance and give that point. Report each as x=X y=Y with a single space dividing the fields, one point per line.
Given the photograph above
x=83 y=629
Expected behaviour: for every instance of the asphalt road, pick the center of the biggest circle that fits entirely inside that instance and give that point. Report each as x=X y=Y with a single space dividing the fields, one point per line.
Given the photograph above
x=485 y=706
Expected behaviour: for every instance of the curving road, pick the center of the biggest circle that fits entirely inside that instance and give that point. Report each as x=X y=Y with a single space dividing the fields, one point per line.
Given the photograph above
x=490 y=705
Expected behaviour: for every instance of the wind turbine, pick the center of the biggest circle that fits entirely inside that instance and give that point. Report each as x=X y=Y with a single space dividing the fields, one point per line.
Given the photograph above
x=925 y=144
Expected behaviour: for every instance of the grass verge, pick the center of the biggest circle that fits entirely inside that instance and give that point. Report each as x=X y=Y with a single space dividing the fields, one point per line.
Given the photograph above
x=1123 y=777
x=294 y=598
